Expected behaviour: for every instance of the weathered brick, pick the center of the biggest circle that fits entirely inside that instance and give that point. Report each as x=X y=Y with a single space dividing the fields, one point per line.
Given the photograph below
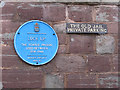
x=62 y=39
x=54 y=12
x=108 y=81
x=105 y=13
x=80 y=13
x=2 y=3
x=81 y=44
x=115 y=63
x=7 y=36
x=29 y=11
x=70 y=63
x=1 y=85
x=81 y=80
x=25 y=11
x=53 y=81
x=112 y=27
x=10 y=27
x=99 y=63
x=62 y=49
x=49 y=67
x=7 y=45
x=8 y=11
x=105 y=44
x=60 y=28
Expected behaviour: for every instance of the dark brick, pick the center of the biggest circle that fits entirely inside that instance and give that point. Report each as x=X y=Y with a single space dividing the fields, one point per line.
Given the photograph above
x=62 y=39
x=99 y=63
x=23 y=85
x=22 y=70
x=81 y=80
x=106 y=13
x=81 y=44
x=80 y=13
x=70 y=63
x=21 y=77
x=108 y=81
x=22 y=80
x=62 y=49
x=14 y=62
x=20 y=89
x=54 y=12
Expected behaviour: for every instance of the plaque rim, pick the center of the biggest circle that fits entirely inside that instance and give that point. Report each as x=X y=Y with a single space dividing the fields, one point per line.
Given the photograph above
x=19 y=53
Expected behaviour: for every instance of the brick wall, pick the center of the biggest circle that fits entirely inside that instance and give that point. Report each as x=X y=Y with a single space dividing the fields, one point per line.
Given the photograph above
x=82 y=61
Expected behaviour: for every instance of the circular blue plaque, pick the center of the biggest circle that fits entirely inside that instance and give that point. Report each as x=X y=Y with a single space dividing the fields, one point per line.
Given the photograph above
x=36 y=42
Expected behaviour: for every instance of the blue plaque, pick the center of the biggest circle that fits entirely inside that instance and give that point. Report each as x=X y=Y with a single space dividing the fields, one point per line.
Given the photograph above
x=36 y=42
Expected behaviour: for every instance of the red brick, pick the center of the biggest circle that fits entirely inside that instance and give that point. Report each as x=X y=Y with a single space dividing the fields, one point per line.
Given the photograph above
x=99 y=63
x=81 y=44
x=108 y=81
x=70 y=63
x=106 y=13
x=81 y=13
x=62 y=38
x=54 y=12
x=81 y=80
x=62 y=49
